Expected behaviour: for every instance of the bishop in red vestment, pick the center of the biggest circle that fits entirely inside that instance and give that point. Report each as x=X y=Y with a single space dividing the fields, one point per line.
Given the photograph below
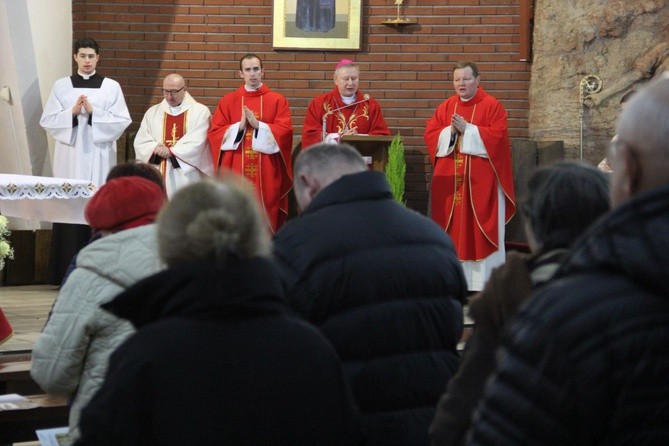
x=472 y=191
x=346 y=110
x=252 y=134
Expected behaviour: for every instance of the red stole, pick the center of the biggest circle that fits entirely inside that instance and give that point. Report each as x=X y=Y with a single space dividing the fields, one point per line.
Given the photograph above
x=462 y=219
x=174 y=128
x=249 y=163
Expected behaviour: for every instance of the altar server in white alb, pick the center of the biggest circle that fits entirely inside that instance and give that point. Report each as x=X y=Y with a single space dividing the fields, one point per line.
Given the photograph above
x=85 y=114
x=173 y=135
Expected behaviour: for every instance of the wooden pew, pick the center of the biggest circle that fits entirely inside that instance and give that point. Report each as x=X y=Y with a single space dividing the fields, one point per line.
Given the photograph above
x=19 y=425
x=15 y=375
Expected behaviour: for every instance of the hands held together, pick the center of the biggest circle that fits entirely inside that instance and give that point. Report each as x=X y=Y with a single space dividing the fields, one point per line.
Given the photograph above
x=82 y=102
x=459 y=123
x=248 y=116
x=162 y=151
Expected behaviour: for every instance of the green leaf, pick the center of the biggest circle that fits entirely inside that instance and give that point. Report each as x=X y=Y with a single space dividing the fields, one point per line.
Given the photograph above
x=396 y=168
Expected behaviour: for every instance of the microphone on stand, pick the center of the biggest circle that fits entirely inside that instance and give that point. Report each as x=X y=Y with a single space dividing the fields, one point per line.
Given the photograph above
x=329 y=112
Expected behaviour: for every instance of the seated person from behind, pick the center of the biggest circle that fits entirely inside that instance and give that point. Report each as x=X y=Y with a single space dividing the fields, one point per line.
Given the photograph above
x=383 y=283
x=70 y=357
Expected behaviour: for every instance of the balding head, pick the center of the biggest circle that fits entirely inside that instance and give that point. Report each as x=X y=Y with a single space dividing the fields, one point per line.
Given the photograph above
x=321 y=165
x=174 y=89
x=174 y=77
x=641 y=150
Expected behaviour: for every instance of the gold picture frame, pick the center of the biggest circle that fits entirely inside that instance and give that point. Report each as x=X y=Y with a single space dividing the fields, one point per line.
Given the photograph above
x=316 y=24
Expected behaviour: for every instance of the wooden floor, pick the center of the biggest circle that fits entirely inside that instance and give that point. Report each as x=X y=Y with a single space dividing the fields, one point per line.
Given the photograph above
x=27 y=308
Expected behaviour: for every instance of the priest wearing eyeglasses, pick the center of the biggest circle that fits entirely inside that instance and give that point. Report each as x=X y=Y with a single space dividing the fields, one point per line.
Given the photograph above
x=173 y=136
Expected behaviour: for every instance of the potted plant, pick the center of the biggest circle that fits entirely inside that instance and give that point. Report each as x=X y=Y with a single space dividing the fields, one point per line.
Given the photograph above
x=396 y=168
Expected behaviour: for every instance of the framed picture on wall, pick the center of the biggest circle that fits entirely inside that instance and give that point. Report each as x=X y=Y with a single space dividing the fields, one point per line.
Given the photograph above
x=316 y=24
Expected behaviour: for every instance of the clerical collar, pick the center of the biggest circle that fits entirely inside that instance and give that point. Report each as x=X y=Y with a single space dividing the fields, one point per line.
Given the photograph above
x=87 y=81
x=247 y=88
x=348 y=100
x=86 y=76
x=175 y=110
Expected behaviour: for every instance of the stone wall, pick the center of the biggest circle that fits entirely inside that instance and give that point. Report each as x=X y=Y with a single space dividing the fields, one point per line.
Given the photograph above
x=624 y=42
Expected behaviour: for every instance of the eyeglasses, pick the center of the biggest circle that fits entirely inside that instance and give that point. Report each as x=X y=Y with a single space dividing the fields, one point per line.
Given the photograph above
x=173 y=92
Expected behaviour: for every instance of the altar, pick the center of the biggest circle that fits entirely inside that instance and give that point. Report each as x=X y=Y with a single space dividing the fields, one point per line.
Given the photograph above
x=57 y=200
x=37 y=199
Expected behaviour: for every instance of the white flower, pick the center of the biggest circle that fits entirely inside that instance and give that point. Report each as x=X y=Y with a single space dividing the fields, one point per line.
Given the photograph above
x=4 y=248
x=6 y=251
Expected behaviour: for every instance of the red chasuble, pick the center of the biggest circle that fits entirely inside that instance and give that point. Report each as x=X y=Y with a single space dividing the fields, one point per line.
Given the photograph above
x=271 y=174
x=366 y=117
x=464 y=187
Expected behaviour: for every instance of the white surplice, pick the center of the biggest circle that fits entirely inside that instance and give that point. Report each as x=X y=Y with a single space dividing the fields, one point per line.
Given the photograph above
x=85 y=151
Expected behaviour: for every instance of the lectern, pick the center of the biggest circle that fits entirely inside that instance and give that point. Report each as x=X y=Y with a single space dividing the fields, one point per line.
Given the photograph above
x=374 y=146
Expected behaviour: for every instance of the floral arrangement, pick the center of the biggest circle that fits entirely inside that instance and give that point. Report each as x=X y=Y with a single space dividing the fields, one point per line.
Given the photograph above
x=6 y=251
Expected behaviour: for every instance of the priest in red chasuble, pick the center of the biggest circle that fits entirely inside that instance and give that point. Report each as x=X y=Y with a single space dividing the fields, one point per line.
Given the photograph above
x=345 y=110
x=173 y=136
x=472 y=191
x=252 y=134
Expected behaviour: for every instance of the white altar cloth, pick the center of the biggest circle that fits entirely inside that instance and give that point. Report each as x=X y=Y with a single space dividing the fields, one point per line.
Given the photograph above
x=58 y=200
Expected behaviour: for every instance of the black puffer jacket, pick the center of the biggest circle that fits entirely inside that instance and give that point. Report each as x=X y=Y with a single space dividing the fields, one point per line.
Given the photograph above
x=219 y=358
x=587 y=360
x=384 y=284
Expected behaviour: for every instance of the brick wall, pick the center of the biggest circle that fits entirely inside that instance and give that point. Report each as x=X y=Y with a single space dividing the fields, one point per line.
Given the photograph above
x=407 y=70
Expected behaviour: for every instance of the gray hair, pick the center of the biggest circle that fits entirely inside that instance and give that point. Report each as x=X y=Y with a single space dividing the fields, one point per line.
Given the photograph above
x=212 y=220
x=340 y=159
x=321 y=165
x=562 y=200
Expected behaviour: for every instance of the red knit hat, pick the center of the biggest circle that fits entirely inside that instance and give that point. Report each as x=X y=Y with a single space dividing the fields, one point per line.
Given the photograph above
x=124 y=203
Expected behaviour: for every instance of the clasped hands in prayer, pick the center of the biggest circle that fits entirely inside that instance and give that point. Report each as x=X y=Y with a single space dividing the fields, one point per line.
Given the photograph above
x=459 y=123
x=248 y=116
x=82 y=102
x=162 y=151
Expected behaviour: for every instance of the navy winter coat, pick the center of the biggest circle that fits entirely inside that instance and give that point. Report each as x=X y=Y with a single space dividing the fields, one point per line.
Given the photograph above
x=385 y=285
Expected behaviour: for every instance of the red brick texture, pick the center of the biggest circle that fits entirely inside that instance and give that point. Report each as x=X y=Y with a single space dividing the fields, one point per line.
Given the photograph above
x=408 y=70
